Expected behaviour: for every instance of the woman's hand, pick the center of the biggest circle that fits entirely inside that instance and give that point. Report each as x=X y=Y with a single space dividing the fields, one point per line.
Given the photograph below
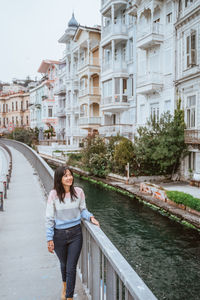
x=50 y=245
x=94 y=221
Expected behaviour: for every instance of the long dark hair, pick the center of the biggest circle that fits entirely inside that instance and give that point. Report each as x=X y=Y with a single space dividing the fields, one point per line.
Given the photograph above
x=58 y=186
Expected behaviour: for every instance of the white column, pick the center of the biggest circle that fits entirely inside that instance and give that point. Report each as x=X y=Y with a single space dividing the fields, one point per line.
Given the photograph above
x=88 y=51
x=113 y=89
x=112 y=15
x=113 y=53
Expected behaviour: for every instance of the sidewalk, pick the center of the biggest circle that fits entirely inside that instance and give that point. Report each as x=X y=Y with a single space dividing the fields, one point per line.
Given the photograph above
x=182 y=187
x=27 y=270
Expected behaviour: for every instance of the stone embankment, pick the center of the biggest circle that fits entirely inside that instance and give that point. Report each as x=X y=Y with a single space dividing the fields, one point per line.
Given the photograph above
x=175 y=211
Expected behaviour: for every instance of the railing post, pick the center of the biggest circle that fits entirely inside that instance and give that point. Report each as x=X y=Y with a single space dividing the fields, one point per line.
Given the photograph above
x=110 y=282
x=5 y=189
x=1 y=201
x=95 y=264
x=8 y=180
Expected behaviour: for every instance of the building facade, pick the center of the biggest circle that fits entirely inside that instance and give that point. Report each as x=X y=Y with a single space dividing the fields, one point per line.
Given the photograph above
x=14 y=107
x=118 y=69
x=42 y=97
x=187 y=80
x=79 y=83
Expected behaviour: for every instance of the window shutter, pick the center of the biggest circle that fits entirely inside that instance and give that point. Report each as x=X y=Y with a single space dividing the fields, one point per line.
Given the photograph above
x=193 y=48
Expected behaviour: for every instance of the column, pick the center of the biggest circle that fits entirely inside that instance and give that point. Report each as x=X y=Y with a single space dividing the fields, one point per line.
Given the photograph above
x=112 y=16
x=113 y=53
x=88 y=51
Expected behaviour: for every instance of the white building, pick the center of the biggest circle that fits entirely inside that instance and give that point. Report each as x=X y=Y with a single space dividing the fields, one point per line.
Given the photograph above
x=188 y=78
x=118 y=69
x=42 y=98
x=78 y=84
x=155 y=58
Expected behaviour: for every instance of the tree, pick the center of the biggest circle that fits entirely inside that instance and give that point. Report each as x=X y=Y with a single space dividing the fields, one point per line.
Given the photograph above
x=123 y=154
x=159 y=147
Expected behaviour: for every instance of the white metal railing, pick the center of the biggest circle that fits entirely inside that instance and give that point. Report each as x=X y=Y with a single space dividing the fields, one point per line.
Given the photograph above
x=89 y=120
x=104 y=271
x=123 y=98
x=60 y=110
x=118 y=28
x=153 y=28
x=150 y=78
x=112 y=129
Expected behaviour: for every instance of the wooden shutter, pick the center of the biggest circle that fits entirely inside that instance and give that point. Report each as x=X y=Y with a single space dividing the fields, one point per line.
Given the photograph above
x=193 y=48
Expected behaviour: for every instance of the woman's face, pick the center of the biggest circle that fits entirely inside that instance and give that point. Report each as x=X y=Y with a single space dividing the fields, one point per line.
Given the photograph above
x=67 y=178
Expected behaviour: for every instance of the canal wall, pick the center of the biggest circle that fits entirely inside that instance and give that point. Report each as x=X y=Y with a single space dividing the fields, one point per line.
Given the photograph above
x=169 y=208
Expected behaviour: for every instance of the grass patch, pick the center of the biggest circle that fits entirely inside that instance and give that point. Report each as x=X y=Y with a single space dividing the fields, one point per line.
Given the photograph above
x=185 y=199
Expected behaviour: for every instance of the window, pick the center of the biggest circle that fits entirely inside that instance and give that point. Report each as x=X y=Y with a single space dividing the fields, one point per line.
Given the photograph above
x=12 y=106
x=192 y=161
x=116 y=54
x=16 y=106
x=21 y=105
x=13 y=120
x=191 y=49
x=131 y=86
x=26 y=120
x=107 y=88
x=21 y=121
x=124 y=53
x=191 y=112
x=7 y=121
x=113 y=119
x=124 y=91
x=188 y=2
x=17 y=121
x=154 y=111
x=117 y=86
x=50 y=111
x=26 y=104
x=169 y=18
x=0 y=121
x=131 y=49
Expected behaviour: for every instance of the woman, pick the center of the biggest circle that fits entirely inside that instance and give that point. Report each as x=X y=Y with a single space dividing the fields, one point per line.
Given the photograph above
x=65 y=208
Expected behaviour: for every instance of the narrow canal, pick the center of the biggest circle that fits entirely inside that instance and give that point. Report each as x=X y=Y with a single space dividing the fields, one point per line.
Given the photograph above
x=165 y=254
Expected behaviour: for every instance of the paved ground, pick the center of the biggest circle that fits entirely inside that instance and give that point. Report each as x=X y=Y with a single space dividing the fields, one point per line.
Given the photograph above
x=27 y=270
x=183 y=187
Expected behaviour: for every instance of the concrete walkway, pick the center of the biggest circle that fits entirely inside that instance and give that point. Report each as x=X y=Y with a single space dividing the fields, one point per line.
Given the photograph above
x=27 y=270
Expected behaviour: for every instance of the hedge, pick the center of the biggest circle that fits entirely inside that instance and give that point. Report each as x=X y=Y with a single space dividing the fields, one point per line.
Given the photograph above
x=183 y=198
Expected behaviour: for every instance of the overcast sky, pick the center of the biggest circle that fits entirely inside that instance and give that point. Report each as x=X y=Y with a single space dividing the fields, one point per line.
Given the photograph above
x=30 y=29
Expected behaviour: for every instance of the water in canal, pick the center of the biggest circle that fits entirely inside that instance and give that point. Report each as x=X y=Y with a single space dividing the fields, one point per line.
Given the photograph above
x=165 y=254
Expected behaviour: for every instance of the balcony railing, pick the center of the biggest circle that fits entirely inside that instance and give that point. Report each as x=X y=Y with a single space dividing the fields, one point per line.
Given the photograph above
x=90 y=121
x=150 y=78
x=118 y=66
x=60 y=112
x=150 y=35
x=117 y=99
x=114 y=29
x=154 y=28
x=192 y=136
x=122 y=129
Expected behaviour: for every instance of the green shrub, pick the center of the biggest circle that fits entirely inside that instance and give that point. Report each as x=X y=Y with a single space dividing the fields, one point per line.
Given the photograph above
x=183 y=198
x=74 y=159
x=24 y=135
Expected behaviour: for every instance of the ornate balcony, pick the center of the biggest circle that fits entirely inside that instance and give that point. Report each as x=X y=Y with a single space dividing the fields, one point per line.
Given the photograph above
x=88 y=122
x=60 y=90
x=113 y=130
x=149 y=83
x=192 y=136
x=150 y=36
x=60 y=112
x=116 y=104
x=118 y=30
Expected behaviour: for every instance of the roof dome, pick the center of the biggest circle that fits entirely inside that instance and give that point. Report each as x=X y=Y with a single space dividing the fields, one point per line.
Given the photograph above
x=73 y=22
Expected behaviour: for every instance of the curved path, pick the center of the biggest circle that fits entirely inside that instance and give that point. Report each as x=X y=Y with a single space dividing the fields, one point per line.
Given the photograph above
x=27 y=270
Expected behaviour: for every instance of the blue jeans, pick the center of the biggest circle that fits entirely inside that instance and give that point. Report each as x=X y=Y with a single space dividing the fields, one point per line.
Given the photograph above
x=67 y=244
